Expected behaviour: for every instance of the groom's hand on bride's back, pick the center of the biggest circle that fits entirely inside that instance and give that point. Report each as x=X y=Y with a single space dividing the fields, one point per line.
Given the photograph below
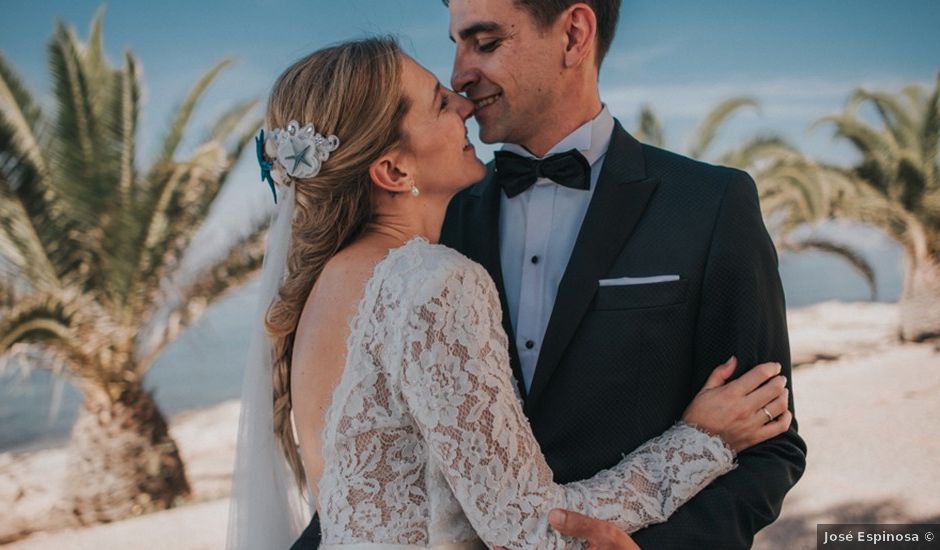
x=600 y=535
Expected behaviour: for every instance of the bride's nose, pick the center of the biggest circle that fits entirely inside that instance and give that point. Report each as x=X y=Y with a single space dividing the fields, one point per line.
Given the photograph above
x=464 y=106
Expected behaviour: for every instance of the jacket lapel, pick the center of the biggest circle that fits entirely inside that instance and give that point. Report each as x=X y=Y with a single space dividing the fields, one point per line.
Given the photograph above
x=481 y=242
x=622 y=193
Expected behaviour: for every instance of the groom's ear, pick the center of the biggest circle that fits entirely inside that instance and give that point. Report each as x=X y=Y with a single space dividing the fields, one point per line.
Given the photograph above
x=390 y=173
x=580 y=28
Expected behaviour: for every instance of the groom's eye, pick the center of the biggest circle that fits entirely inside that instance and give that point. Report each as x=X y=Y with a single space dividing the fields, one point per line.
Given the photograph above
x=488 y=47
x=444 y=103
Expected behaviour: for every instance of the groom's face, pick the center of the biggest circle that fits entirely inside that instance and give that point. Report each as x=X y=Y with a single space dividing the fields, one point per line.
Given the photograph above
x=507 y=65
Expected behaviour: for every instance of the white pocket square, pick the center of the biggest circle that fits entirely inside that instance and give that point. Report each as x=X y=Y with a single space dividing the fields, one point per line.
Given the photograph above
x=622 y=281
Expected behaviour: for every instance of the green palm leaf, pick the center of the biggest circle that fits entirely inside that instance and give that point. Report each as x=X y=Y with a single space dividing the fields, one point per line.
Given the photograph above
x=225 y=275
x=847 y=253
x=707 y=131
x=41 y=321
x=650 y=129
x=930 y=136
x=185 y=111
x=20 y=244
x=895 y=116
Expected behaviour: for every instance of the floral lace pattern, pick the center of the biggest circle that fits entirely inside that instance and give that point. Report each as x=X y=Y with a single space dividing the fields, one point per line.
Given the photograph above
x=425 y=440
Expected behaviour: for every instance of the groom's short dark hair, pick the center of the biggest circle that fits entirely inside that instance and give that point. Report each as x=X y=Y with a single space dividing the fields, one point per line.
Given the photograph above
x=546 y=12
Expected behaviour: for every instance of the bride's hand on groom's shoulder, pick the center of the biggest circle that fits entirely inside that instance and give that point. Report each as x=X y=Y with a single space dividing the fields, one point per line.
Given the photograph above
x=600 y=535
x=746 y=411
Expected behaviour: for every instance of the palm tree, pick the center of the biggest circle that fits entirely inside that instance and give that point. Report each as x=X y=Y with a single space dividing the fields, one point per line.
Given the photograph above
x=899 y=181
x=794 y=191
x=91 y=248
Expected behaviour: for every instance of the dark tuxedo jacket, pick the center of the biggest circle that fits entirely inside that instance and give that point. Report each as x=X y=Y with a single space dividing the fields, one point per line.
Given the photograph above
x=619 y=364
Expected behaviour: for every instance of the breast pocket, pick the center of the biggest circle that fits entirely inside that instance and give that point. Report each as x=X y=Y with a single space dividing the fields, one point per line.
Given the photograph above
x=639 y=296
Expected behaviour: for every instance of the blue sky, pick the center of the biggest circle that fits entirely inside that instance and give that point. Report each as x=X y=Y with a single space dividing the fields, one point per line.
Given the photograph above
x=799 y=58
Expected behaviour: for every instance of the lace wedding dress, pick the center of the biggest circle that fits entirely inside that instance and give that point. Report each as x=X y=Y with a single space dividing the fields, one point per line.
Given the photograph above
x=426 y=445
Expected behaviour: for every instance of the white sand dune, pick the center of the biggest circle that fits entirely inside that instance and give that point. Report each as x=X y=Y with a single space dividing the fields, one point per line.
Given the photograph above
x=867 y=407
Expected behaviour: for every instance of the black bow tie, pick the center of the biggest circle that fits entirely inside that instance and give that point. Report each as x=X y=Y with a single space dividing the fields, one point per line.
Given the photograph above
x=516 y=173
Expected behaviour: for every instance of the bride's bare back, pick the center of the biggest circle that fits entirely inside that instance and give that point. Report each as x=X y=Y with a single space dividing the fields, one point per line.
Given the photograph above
x=319 y=353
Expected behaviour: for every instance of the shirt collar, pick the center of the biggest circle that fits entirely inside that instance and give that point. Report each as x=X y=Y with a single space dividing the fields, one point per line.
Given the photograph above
x=592 y=138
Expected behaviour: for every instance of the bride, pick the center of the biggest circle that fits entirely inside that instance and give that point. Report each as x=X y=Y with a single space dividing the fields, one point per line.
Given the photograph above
x=379 y=385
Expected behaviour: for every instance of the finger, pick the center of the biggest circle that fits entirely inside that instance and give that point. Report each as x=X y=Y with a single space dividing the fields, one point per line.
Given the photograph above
x=753 y=378
x=775 y=428
x=766 y=393
x=778 y=405
x=721 y=373
x=574 y=524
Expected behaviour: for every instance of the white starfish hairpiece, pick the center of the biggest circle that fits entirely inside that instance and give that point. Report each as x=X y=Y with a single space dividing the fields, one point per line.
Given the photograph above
x=298 y=152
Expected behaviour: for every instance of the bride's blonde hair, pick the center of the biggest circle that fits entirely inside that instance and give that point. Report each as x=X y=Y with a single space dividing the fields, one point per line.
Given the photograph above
x=352 y=90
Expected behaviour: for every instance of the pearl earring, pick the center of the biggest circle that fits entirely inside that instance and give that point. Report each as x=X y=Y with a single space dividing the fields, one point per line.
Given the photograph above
x=414 y=190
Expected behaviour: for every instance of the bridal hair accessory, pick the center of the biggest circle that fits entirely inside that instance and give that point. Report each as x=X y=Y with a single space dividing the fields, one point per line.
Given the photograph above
x=298 y=152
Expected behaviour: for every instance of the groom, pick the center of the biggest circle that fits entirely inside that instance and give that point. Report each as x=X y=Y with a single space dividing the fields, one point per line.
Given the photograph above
x=626 y=273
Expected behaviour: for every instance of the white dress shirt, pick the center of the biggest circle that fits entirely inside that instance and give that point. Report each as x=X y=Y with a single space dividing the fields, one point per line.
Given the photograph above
x=537 y=232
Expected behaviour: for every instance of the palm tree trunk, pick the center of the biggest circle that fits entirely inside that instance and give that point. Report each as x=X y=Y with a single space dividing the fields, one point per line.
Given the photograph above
x=920 y=301
x=123 y=461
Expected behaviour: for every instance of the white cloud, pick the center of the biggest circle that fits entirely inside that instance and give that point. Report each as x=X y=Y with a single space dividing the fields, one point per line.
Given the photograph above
x=780 y=97
x=636 y=58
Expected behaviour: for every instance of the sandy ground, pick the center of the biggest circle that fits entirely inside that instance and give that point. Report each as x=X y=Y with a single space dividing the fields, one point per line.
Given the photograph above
x=867 y=407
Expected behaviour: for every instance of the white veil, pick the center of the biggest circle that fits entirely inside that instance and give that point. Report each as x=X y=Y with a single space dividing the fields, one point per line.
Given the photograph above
x=267 y=509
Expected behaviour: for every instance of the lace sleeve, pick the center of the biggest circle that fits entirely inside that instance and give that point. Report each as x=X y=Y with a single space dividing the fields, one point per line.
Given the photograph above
x=456 y=382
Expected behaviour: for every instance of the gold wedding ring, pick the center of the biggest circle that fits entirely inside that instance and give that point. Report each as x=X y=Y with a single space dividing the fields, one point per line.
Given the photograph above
x=770 y=417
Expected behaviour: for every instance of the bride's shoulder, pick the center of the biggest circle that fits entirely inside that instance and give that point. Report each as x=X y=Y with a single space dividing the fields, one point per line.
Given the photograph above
x=433 y=267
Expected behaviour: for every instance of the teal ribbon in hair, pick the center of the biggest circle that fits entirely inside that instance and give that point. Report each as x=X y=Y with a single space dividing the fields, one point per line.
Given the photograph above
x=264 y=164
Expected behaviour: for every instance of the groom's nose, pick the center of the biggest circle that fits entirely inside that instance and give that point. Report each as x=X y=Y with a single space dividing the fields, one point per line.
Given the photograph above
x=463 y=77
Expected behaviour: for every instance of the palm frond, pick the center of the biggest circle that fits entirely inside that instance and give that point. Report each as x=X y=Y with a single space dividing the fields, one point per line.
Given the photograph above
x=650 y=129
x=231 y=120
x=75 y=120
x=128 y=84
x=185 y=111
x=17 y=104
x=97 y=71
x=914 y=93
x=189 y=194
x=87 y=161
x=930 y=136
x=230 y=272
x=911 y=181
x=760 y=150
x=896 y=117
x=27 y=176
x=178 y=214
x=20 y=244
x=41 y=320
x=847 y=253
x=880 y=147
x=873 y=208
x=705 y=134
x=122 y=224
x=241 y=142
x=21 y=116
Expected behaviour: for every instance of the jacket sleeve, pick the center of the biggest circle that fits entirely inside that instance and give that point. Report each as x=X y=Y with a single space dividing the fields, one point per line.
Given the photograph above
x=742 y=313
